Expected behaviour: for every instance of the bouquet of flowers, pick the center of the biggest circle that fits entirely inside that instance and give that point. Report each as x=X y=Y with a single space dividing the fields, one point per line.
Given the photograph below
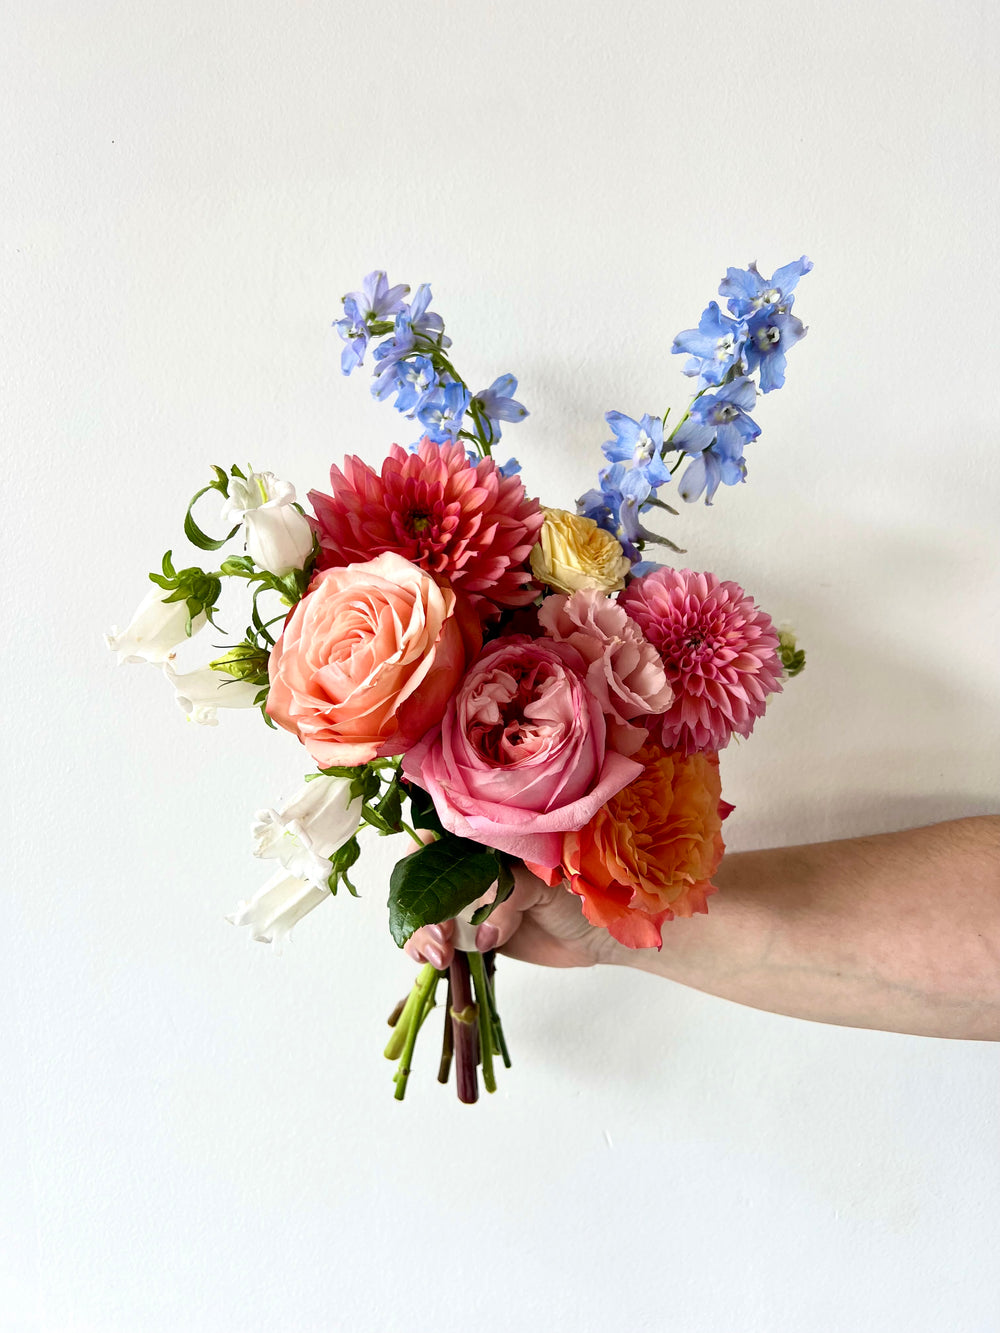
x=503 y=682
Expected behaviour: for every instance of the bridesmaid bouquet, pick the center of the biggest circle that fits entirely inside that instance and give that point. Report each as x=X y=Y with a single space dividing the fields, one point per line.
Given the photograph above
x=501 y=681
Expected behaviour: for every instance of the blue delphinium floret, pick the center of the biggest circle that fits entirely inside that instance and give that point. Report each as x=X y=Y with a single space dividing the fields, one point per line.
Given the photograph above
x=376 y=301
x=616 y=503
x=771 y=334
x=639 y=443
x=422 y=321
x=705 y=473
x=748 y=292
x=497 y=403
x=443 y=411
x=413 y=381
x=714 y=436
x=720 y=420
x=412 y=322
x=714 y=348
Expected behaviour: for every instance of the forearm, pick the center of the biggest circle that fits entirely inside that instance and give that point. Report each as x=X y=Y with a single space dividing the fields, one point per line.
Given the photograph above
x=899 y=931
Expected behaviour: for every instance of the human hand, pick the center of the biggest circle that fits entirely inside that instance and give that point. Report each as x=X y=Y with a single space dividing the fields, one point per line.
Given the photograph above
x=536 y=924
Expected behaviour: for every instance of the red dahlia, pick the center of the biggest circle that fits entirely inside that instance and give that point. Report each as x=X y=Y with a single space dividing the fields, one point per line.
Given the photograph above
x=464 y=523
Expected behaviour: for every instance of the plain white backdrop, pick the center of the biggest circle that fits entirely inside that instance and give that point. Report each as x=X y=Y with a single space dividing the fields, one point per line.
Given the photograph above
x=200 y=1136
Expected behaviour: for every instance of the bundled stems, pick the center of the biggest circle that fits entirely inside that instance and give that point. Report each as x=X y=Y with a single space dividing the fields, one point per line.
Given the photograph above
x=473 y=1034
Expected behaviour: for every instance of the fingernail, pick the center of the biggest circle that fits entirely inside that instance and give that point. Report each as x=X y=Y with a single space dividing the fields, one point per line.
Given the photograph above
x=434 y=956
x=434 y=935
x=487 y=937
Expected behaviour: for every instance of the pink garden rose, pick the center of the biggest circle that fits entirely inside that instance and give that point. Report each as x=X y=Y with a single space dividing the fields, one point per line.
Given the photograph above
x=624 y=671
x=368 y=660
x=521 y=756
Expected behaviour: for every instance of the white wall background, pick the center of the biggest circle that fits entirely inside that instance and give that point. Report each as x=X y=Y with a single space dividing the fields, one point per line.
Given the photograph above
x=200 y=1136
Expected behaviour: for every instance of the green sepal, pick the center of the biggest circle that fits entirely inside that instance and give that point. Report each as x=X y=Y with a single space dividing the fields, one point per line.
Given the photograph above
x=505 y=887
x=341 y=861
x=193 y=586
x=437 y=882
x=238 y=566
x=367 y=784
x=192 y=531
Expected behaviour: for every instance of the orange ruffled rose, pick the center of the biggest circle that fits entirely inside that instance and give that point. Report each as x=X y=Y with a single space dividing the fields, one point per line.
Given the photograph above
x=650 y=853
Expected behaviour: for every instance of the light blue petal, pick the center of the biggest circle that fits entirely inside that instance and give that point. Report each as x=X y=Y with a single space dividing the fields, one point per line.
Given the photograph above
x=694 y=479
x=693 y=436
x=786 y=278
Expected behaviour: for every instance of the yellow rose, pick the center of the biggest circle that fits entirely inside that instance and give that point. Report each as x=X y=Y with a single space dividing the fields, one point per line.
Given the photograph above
x=574 y=553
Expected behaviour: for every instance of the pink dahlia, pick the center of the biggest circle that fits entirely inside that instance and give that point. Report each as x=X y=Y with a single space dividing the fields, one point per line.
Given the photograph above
x=720 y=652
x=466 y=524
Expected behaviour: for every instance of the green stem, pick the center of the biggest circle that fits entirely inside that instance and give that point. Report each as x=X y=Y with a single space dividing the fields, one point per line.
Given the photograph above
x=485 y=1026
x=497 y=1025
x=425 y=987
x=415 y=836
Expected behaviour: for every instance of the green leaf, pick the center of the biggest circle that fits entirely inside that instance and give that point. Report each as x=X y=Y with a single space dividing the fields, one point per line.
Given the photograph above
x=422 y=812
x=390 y=807
x=505 y=887
x=192 y=531
x=437 y=882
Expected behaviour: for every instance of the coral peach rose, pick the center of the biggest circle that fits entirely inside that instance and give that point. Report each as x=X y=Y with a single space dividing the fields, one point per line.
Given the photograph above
x=650 y=853
x=368 y=660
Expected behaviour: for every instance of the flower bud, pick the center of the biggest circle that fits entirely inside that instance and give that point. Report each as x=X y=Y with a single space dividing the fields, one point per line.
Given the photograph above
x=242 y=662
x=278 y=537
x=155 y=630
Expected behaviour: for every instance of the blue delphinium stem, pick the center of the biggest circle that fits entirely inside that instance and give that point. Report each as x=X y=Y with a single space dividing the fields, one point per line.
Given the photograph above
x=724 y=352
x=412 y=365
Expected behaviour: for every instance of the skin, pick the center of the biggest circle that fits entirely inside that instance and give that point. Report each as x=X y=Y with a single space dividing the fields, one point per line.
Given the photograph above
x=899 y=932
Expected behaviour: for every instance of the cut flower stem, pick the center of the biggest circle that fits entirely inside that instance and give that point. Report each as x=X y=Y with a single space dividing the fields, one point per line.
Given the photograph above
x=473 y=1034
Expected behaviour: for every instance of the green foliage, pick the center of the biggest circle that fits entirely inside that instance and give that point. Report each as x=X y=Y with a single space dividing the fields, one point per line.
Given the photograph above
x=505 y=887
x=422 y=812
x=193 y=586
x=342 y=860
x=437 y=882
x=793 y=658
x=192 y=531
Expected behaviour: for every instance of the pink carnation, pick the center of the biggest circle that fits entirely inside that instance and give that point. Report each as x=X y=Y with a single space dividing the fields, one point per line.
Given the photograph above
x=624 y=671
x=467 y=525
x=719 y=649
x=522 y=755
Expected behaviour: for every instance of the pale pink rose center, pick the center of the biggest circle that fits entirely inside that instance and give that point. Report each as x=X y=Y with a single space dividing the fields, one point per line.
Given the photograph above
x=520 y=714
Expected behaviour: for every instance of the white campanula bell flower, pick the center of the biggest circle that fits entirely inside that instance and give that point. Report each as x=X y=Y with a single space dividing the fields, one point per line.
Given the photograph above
x=201 y=693
x=282 y=902
x=154 y=631
x=278 y=537
x=309 y=828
